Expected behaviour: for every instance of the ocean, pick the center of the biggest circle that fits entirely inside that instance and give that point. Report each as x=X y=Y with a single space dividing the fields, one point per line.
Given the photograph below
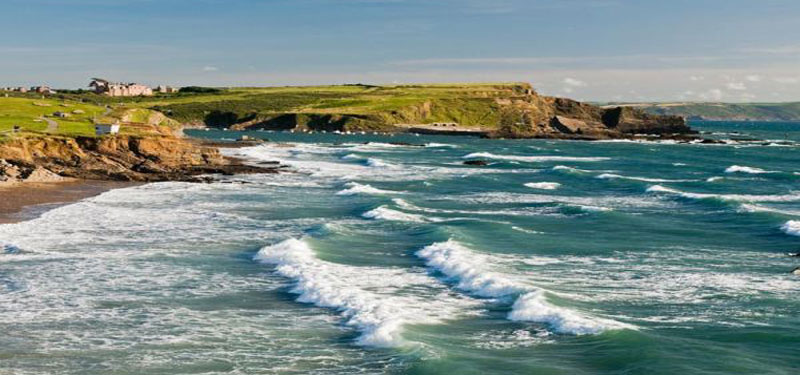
x=388 y=255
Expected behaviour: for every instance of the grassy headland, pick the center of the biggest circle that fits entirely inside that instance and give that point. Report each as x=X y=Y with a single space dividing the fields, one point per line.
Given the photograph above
x=726 y=111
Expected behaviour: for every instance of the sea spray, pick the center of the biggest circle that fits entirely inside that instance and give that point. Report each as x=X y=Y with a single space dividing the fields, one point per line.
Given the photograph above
x=745 y=169
x=544 y=158
x=467 y=269
x=543 y=185
x=726 y=197
x=791 y=227
x=354 y=188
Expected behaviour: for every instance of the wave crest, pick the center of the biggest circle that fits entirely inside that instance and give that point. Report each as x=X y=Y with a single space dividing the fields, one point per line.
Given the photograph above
x=792 y=227
x=466 y=268
x=488 y=155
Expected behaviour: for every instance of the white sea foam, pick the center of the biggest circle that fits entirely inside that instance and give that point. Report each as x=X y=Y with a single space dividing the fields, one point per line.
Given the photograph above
x=715 y=179
x=610 y=176
x=611 y=202
x=319 y=283
x=440 y=145
x=369 y=298
x=543 y=185
x=378 y=163
x=354 y=188
x=488 y=155
x=748 y=207
x=745 y=169
x=385 y=213
x=792 y=227
x=471 y=274
x=726 y=197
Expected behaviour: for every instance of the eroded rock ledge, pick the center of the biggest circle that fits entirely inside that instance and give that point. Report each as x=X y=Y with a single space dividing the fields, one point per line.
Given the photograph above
x=119 y=158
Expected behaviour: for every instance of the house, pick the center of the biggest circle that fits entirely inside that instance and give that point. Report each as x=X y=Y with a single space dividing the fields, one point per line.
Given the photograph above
x=43 y=90
x=166 y=89
x=104 y=87
x=103 y=129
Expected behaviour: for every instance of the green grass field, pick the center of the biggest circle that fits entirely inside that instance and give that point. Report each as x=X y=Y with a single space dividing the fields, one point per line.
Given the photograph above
x=28 y=114
x=354 y=106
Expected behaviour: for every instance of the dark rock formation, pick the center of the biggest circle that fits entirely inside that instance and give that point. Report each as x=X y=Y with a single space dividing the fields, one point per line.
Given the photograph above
x=476 y=162
x=121 y=158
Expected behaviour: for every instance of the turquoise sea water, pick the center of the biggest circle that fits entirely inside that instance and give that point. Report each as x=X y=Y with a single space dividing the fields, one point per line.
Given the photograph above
x=370 y=257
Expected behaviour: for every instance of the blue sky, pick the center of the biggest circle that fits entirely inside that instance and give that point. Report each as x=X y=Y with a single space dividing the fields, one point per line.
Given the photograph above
x=704 y=50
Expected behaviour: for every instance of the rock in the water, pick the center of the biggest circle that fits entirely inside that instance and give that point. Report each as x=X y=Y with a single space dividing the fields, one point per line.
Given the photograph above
x=476 y=162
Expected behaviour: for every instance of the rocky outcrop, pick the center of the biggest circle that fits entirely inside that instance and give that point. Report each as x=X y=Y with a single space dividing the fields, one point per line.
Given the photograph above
x=630 y=120
x=122 y=158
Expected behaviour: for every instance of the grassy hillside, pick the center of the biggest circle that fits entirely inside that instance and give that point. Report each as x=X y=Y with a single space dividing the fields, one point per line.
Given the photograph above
x=727 y=111
x=347 y=106
x=29 y=114
x=35 y=115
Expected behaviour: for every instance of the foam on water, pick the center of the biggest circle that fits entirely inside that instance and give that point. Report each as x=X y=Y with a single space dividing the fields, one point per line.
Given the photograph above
x=367 y=297
x=745 y=169
x=378 y=163
x=354 y=188
x=469 y=271
x=385 y=213
x=726 y=197
x=543 y=185
x=488 y=155
x=609 y=176
x=748 y=207
x=792 y=227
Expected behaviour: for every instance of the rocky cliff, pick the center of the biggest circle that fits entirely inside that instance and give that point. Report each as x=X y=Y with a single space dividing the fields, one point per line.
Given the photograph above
x=123 y=158
x=502 y=110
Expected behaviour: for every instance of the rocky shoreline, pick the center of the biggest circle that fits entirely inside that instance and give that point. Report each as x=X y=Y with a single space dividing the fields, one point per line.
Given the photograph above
x=118 y=158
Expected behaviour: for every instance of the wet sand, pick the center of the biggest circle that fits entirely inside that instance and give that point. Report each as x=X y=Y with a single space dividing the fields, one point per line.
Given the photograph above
x=26 y=201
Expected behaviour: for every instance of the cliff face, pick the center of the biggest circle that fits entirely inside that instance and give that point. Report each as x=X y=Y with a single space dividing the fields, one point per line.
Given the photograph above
x=549 y=117
x=488 y=107
x=123 y=158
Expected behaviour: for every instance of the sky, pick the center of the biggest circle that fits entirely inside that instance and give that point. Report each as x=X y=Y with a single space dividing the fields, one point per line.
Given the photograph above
x=598 y=50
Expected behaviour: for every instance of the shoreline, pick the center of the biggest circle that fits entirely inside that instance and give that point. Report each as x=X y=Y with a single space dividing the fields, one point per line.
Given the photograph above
x=25 y=201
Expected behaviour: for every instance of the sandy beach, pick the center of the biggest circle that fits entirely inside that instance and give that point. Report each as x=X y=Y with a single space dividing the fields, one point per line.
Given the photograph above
x=25 y=201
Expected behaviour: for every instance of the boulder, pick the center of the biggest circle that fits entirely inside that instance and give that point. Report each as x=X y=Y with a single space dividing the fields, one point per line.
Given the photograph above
x=476 y=162
x=631 y=120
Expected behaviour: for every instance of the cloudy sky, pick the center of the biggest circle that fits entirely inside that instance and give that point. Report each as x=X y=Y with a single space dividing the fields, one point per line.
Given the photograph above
x=603 y=50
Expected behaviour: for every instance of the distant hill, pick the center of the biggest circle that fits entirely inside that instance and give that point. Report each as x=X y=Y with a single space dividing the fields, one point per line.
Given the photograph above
x=723 y=111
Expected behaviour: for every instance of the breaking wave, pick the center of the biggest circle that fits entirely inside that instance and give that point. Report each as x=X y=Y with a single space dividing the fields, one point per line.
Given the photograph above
x=488 y=155
x=385 y=213
x=744 y=169
x=378 y=317
x=543 y=185
x=467 y=269
x=354 y=188
x=726 y=197
x=610 y=176
x=792 y=228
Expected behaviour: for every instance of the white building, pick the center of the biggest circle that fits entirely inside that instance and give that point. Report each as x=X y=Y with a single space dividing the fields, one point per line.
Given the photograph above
x=103 y=129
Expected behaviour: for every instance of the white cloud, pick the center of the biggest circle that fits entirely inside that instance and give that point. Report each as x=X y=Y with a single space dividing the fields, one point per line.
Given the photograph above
x=567 y=90
x=696 y=78
x=753 y=78
x=574 y=82
x=787 y=80
x=713 y=95
x=210 y=69
x=738 y=86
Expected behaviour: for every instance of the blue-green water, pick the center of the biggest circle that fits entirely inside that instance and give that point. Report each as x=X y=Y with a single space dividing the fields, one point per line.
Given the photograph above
x=370 y=257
